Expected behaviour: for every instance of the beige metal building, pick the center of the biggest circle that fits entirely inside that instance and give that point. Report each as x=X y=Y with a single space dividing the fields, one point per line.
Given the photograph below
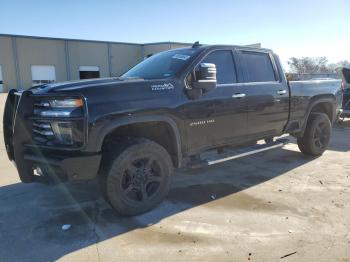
x=27 y=61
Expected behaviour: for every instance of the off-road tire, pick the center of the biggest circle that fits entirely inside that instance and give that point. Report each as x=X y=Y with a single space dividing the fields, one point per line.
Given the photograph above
x=116 y=163
x=316 y=136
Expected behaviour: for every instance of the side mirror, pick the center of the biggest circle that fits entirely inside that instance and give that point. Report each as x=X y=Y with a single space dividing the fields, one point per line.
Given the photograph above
x=205 y=77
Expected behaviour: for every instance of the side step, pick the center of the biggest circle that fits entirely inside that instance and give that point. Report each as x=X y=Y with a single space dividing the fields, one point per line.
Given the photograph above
x=238 y=153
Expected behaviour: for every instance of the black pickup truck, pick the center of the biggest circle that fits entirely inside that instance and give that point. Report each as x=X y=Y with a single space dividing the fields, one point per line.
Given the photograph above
x=131 y=131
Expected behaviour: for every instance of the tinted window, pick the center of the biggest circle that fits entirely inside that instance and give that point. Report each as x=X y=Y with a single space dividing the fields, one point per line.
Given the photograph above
x=258 y=67
x=225 y=68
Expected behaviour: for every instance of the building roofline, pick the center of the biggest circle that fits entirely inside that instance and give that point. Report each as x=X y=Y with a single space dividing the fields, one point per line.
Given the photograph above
x=88 y=40
x=110 y=42
x=168 y=43
x=67 y=39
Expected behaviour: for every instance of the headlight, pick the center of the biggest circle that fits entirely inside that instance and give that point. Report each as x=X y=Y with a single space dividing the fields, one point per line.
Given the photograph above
x=66 y=103
x=67 y=133
x=56 y=113
x=69 y=107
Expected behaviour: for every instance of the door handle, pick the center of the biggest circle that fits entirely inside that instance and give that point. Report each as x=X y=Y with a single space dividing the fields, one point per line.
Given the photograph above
x=282 y=92
x=238 y=95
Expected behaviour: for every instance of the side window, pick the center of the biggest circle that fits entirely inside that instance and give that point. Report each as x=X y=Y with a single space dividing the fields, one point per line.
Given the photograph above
x=258 y=67
x=225 y=68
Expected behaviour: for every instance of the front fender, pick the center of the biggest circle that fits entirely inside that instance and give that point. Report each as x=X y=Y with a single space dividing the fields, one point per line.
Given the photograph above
x=97 y=135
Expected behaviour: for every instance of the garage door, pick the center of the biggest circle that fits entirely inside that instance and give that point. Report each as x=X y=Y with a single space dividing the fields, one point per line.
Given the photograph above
x=1 y=81
x=43 y=74
x=86 y=72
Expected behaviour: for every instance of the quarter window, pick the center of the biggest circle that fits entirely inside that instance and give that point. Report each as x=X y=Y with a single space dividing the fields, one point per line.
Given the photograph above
x=258 y=67
x=225 y=68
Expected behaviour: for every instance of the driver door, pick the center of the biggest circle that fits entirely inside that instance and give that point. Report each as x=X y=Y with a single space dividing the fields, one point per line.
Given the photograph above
x=217 y=117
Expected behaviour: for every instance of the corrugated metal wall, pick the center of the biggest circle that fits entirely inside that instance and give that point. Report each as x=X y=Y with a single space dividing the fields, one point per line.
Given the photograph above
x=19 y=53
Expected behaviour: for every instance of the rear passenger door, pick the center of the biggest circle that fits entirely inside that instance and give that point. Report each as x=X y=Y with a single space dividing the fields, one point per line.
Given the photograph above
x=267 y=96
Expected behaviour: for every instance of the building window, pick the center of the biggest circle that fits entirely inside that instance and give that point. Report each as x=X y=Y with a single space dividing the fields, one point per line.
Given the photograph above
x=43 y=74
x=87 y=72
x=1 y=81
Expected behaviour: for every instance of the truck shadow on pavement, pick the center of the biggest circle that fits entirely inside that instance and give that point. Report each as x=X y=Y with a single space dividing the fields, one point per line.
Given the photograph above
x=32 y=215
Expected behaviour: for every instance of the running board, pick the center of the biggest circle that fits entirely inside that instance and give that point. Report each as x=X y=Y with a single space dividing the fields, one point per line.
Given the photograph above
x=234 y=154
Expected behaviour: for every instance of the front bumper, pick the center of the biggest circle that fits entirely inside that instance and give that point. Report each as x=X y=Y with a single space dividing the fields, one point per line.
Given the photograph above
x=63 y=165
x=27 y=155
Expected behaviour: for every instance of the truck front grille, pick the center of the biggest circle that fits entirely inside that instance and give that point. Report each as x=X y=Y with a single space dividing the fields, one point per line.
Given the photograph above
x=42 y=131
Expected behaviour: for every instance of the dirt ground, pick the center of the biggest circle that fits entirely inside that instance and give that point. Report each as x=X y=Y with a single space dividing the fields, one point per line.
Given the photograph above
x=259 y=208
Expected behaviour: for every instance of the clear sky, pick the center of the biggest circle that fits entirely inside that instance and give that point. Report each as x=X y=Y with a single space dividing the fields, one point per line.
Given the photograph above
x=291 y=28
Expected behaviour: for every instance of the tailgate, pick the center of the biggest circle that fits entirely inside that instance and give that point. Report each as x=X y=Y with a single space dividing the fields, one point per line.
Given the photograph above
x=8 y=120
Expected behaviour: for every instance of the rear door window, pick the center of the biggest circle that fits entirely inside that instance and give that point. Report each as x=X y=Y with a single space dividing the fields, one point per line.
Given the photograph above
x=225 y=67
x=258 y=67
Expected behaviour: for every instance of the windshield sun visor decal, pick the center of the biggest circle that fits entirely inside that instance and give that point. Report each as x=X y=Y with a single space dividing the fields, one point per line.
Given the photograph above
x=181 y=57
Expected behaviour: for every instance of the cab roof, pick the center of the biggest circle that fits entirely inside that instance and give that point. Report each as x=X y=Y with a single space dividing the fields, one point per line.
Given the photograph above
x=233 y=46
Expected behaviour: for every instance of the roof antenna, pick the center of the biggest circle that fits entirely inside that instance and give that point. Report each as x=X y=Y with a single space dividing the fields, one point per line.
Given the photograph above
x=196 y=44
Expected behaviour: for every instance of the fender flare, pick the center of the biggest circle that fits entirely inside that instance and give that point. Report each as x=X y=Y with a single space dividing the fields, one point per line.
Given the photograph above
x=316 y=100
x=138 y=120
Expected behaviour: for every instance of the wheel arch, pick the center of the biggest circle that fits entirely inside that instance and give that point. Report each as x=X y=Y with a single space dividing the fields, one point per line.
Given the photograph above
x=320 y=104
x=160 y=129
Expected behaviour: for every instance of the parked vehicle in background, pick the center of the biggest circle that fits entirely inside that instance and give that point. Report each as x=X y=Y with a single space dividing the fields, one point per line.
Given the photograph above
x=345 y=73
x=131 y=131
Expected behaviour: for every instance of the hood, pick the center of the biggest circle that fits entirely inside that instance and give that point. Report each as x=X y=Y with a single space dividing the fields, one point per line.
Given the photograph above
x=80 y=85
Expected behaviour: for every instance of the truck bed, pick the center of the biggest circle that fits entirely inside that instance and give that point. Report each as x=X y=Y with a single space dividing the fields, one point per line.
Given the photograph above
x=303 y=93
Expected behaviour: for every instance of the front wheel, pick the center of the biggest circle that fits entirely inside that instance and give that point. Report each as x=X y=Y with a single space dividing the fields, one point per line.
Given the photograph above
x=138 y=176
x=316 y=136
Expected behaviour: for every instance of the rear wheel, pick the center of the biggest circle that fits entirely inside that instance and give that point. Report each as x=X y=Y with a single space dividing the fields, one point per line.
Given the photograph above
x=138 y=176
x=316 y=136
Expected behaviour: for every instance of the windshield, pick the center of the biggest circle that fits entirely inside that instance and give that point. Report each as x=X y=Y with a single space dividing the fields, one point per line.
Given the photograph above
x=162 y=65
